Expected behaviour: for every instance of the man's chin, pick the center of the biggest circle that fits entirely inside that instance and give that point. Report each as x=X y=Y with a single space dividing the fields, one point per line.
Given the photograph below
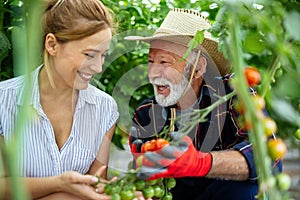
x=165 y=101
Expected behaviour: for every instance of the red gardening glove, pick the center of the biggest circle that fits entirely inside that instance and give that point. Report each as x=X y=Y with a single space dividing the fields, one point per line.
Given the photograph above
x=135 y=143
x=180 y=160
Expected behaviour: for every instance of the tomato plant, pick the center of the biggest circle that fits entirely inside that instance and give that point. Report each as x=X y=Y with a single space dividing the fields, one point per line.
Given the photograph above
x=125 y=187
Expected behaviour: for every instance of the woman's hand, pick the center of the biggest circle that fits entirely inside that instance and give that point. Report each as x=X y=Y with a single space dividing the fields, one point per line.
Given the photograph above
x=80 y=186
x=99 y=188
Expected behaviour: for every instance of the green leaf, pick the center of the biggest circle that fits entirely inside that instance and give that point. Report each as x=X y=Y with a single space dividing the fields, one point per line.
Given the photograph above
x=292 y=24
x=4 y=46
x=117 y=141
x=194 y=43
x=284 y=109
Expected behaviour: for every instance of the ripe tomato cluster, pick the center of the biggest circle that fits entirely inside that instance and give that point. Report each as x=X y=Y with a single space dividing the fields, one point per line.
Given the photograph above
x=126 y=187
x=276 y=147
x=154 y=145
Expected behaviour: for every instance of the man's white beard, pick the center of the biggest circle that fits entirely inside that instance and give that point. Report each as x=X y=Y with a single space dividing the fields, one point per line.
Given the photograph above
x=176 y=91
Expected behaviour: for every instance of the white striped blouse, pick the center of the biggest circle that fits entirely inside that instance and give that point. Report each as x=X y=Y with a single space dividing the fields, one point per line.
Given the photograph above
x=96 y=112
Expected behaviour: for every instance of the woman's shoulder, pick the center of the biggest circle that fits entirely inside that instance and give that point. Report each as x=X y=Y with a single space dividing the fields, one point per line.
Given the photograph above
x=12 y=84
x=98 y=94
x=10 y=91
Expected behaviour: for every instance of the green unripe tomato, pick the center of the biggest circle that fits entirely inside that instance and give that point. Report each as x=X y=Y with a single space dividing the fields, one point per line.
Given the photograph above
x=115 y=196
x=168 y=196
x=127 y=195
x=283 y=181
x=170 y=183
x=108 y=189
x=140 y=184
x=297 y=134
x=158 y=191
x=148 y=192
x=151 y=182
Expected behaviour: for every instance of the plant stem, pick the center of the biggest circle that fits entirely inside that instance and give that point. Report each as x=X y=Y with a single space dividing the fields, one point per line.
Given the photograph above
x=269 y=77
x=256 y=135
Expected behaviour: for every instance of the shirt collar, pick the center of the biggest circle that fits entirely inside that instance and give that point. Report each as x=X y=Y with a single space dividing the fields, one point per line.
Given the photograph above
x=86 y=96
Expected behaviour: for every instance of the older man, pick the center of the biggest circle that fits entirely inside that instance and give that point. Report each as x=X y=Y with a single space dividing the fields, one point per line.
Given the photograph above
x=213 y=160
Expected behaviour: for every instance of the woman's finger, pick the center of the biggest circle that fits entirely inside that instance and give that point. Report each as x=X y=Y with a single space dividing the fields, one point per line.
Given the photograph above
x=100 y=170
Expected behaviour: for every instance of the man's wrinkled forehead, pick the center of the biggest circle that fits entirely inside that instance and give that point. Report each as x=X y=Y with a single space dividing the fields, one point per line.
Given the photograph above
x=172 y=47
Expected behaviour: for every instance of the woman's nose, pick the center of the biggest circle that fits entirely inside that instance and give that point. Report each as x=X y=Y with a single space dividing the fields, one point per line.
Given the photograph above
x=96 y=66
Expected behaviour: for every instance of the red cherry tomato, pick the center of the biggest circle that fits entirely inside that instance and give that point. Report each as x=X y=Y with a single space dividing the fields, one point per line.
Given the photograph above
x=252 y=76
x=160 y=143
x=149 y=146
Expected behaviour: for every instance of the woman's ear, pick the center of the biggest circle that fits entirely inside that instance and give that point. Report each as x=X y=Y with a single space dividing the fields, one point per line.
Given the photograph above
x=201 y=67
x=51 y=44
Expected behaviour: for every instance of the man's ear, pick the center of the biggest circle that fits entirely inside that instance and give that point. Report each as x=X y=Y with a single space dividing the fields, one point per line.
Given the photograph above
x=51 y=44
x=201 y=67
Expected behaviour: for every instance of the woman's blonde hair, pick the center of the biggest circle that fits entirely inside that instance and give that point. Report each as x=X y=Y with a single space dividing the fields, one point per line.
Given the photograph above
x=71 y=20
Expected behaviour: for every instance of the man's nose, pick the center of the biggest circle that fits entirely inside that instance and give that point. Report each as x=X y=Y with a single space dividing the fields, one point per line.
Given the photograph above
x=155 y=70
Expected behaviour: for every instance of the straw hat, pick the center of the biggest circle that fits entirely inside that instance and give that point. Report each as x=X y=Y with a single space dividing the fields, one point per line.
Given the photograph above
x=180 y=26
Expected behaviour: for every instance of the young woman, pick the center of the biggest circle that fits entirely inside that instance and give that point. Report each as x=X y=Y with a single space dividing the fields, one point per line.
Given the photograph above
x=72 y=122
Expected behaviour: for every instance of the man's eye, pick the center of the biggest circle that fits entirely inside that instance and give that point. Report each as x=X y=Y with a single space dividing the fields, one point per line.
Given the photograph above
x=104 y=55
x=166 y=63
x=89 y=55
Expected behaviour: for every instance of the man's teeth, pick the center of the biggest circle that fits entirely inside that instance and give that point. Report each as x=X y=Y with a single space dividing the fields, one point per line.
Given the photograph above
x=86 y=76
x=161 y=87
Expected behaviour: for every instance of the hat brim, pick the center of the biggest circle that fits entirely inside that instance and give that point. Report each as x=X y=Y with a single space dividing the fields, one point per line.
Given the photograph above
x=209 y=45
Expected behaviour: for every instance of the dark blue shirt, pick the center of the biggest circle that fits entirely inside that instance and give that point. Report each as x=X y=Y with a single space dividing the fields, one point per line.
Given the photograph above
x=219 y=132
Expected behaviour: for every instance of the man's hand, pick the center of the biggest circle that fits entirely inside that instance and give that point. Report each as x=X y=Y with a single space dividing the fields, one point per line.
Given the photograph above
x=179 y=159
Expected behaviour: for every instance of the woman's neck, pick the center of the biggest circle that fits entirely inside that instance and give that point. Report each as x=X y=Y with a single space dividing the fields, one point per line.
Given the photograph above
x=57 y=93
